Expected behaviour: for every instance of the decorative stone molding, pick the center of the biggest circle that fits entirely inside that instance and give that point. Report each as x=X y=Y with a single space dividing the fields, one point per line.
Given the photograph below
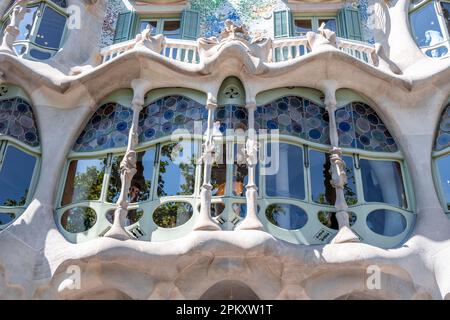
x=324 y=38
x=146 y=40
x=12 y=30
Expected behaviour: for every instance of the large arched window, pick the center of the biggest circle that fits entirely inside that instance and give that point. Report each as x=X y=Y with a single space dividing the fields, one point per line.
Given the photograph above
x=19 y=154
x=442 y=158
x=297 y=198
x=42 y=30
x=430 y=22
x=163 y=191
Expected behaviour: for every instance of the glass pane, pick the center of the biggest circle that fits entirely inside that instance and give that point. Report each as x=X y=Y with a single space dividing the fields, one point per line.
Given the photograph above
x=172 y=214
x=329 y=24
x=133 y=216
x=386 y=222
x=143 y=25
x=240 y=209
x=383 y=182
x=141 y=182
x=171 y=29
x=446 y=12
x=78 y=219
x=425 y=25
x=217 y=209
x=219 y=173
x=302 y=26
x=328 y=219
x=443 y=165
x=26 y=25
x=286 y=216
x=288 y=181
x=177 y=169
x=321 y=189
x=84 y=180
x=51 y=29
x=16 y=173
x=6 y=217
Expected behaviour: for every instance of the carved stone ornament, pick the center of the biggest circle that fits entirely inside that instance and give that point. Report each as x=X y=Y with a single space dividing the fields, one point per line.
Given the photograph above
x=324 y=37
x=338 y=175
x=127 y=171
x=12 y=30
x=251 y=151
x=146 y=40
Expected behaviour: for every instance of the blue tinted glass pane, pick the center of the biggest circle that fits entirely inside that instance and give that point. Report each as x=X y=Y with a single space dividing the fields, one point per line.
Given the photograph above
x=444 y=177
x=15 y=177
x=177 y=169
x=321 y=189
x=329 y=24
x=6 y=217
x=284 y=173
x=443 y=136
x=51 y=29
x=40 y=55
x=425 y=25
x=286 y=216
x=386 y=222
x=383 y=182
x=84 y=180
x=26 y=25
x=446 y=12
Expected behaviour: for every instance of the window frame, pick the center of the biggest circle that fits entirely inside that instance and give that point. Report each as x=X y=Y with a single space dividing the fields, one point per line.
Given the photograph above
x=314 y=18
x=31 y=44
x=160 y=19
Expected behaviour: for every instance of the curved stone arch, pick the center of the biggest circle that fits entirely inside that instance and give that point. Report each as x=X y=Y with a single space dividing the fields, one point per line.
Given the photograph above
x=268 y=96
x=229 y=290
x=382 y=281
x=228 y=86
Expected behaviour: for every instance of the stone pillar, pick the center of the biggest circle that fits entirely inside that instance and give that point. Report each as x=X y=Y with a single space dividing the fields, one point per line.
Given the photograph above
x=338 y=176
x=251 y=221
x=127 y=171
x=204 y=220
x=12 y=30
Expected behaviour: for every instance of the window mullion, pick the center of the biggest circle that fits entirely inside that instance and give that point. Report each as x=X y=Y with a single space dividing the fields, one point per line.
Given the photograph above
x=155 y=175
x=358 y=179
x=2 y=152
x=106 y=177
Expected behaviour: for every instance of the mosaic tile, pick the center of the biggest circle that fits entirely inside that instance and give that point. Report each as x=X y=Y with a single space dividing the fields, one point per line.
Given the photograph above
x=17 y=121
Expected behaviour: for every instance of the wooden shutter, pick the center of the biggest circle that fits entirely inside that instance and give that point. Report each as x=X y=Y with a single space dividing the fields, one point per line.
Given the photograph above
x=349 y=24
x=124 y=27
x=190 y=24
x=283 y=24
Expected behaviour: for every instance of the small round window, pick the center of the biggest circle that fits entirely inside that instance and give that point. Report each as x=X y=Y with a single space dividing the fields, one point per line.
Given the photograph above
x=286 y=216
x=133 y=216
x=78 y=219
x=386 y=222
x=172 y=214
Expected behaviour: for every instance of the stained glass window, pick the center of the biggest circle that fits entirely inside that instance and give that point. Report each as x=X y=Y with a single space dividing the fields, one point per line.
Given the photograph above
x=360 y=127
x=295 y=116
x=232 y=117
x=108 y=128
x=17 y=121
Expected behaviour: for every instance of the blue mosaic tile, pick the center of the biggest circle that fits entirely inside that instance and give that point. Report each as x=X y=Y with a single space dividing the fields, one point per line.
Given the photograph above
x=443 y=135
x=107 y=128
x=17 y=121
x=231 y=117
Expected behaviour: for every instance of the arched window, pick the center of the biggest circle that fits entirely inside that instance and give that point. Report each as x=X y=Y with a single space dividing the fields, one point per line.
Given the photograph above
x=19 y=154
x=163 y=191
x=297 y=197
x=430 y=22
x=42 y=30
x=442 y=158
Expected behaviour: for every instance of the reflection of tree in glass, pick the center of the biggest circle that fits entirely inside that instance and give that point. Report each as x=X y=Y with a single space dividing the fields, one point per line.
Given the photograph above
x=88 y=185
x=14 y=202
x=273 y=211
x=187 y=170
x=79 y=219
x=172 y=214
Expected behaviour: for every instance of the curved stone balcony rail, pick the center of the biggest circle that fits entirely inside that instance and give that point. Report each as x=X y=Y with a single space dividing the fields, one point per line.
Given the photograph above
x=281 y=50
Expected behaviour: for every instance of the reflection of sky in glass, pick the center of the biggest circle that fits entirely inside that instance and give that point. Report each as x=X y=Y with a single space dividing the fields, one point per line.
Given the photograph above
x=51 y=29
x=329 y=24
x=26 y=24
x=444 y=174
x=425 y=24
x=15 y=176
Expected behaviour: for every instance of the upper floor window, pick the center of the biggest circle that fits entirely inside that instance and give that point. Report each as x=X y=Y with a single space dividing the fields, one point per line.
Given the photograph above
x=19 y=155
x=171 y=28
x=430 y=27
x=42 y=29
x=302 y=25
x=442 y=158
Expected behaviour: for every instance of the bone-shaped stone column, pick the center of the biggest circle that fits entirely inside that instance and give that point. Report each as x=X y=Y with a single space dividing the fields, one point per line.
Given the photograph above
x=251 y=221
x=12 y=30
x=338 y=175
x=204 y=220
x=127 y=171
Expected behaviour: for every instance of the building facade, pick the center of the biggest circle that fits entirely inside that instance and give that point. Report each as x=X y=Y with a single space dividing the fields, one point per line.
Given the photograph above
x=224 y=149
